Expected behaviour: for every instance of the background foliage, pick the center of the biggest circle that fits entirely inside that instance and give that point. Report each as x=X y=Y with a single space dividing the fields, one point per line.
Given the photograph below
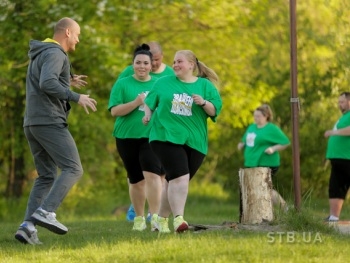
x=245 y=41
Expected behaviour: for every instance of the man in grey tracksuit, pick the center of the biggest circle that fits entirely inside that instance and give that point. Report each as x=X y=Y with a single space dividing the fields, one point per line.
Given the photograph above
x=48 y=98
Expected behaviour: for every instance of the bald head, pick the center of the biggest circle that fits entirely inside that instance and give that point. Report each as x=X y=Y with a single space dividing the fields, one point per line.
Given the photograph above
x=63 y=24
x=155 y=48
x=66 y=33
x=157 y=57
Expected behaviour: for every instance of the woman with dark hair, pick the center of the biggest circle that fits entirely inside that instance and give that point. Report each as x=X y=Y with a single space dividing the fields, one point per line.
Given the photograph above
x=142 y=165
x=159 y=69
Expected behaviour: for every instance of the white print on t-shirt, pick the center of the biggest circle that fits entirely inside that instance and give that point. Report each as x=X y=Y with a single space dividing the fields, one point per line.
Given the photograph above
x=335 y=126
x=182 y=104
x=142 y=106
x=250 y=139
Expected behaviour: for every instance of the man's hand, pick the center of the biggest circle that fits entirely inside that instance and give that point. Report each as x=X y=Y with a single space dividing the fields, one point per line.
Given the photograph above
x=86 y=101
x=78 y=81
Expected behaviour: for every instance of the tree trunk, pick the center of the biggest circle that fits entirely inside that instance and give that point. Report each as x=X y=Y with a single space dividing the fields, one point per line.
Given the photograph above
x=16 y=178
x=256 y=201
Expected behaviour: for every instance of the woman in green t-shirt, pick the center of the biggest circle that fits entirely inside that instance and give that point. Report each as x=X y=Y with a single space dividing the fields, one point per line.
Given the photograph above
x=142 y=165
x=159 y=69
x=179 y=107
x=261 y=142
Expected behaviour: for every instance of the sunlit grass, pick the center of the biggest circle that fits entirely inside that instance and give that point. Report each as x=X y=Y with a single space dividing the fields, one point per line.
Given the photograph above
x=110 y=241
x=98 y=235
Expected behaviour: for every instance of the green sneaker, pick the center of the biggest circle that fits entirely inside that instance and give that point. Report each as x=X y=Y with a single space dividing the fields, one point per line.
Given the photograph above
x=162 y=225
x=180 y=225
x=139 y=223
x=154 y=225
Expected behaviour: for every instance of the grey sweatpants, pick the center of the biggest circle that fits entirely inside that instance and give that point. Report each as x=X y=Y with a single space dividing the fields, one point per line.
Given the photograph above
x=53 y=148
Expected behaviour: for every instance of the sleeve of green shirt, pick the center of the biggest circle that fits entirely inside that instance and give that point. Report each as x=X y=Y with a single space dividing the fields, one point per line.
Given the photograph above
x=277 y=136
x=116 y=95
x=213 y=95
x=128 y=71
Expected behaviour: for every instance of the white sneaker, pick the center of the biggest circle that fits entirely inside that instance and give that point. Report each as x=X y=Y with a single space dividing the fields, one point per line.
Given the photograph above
x=27 y=236
x=48 y=220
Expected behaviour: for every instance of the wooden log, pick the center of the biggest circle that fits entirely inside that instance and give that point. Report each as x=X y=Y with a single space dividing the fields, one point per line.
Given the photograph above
x=256 y=199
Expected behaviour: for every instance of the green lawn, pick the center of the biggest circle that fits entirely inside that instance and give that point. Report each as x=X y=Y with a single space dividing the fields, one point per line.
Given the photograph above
x=105 y=237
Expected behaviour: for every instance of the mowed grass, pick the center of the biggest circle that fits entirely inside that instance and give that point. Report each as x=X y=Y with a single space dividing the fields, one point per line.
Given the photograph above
x=95 y=237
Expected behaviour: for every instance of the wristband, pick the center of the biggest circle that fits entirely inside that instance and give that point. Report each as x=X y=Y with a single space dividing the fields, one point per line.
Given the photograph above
x=204 y=103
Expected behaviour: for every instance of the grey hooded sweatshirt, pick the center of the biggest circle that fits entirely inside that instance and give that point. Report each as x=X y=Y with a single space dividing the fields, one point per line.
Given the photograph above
x=48 y=85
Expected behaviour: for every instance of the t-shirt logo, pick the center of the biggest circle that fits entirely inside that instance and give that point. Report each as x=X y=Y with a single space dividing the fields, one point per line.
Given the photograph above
x=182 y=104
x=142 y=106
x=250 y=139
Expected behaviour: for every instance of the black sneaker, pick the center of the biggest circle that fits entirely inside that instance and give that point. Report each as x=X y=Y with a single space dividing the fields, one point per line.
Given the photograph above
x=48 y=220
x=26 y=236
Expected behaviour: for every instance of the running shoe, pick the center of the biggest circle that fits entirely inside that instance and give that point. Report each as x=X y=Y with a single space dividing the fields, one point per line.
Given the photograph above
x=180 y=225
x=130 y=214
x=26 y=236
x=48 y=220
x=139 y=223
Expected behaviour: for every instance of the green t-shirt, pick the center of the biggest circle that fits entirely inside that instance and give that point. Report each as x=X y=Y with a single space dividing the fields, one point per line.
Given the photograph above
x=124 y=91
x=129 y=70
x=257 y=140
x=176 y=118
x=339 y=146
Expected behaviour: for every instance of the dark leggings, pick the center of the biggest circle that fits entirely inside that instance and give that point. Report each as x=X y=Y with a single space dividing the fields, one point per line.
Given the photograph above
x=137 y=157
x=177 y=159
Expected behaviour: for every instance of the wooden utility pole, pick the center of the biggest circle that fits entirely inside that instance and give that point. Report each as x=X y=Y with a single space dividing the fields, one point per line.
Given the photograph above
x=295 y=104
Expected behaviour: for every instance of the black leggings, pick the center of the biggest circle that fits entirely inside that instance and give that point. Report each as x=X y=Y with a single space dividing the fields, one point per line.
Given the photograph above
x=137 y=157
x=177 y=159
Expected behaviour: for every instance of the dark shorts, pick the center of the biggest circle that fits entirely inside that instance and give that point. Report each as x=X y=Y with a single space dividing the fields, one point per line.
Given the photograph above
x=177 y=160
x=339 y=181
x=137 y=157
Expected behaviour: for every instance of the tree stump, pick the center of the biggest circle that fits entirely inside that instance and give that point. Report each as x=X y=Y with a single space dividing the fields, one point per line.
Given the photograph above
x=255 y=190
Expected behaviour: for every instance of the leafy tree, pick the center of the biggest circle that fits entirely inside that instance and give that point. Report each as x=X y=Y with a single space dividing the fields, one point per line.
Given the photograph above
x=246 y=42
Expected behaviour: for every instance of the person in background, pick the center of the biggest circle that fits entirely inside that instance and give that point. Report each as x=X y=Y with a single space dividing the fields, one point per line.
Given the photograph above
x=339 y=155
x=179 y=107
x=48 y=98
x=159 y=69
x=262 y=142
x=143 y=168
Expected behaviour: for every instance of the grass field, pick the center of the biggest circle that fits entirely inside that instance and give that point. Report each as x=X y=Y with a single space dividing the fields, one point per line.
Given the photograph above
x=107 y=237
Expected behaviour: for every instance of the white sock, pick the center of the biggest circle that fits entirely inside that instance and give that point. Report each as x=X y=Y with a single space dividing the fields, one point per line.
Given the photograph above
x=30 y=225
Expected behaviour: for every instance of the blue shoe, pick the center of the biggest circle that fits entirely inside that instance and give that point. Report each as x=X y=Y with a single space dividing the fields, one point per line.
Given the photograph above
x=149 y=217
x=130 y=214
